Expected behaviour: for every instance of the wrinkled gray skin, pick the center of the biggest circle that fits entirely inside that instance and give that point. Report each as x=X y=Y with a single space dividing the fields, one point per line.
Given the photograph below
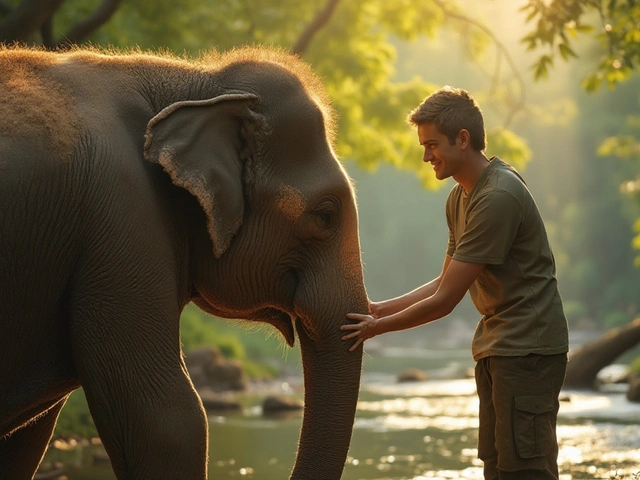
x=132 y=185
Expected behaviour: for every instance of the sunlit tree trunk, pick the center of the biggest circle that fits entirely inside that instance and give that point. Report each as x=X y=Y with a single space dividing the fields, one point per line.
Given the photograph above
x=585 y=363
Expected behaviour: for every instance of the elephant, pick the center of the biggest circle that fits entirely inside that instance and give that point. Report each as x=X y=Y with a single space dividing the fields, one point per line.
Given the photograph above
x=135 y=182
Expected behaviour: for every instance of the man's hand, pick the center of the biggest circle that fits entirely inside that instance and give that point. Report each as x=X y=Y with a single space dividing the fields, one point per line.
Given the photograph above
x=361 y=331
x=375 y=309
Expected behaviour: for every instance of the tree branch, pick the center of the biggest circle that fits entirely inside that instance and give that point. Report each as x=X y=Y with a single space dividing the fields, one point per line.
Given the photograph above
x=26 y=18
x=99 y=17
x=320 y=20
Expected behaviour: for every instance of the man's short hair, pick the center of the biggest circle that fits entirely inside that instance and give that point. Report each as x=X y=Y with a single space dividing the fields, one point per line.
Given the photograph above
x=450 y=110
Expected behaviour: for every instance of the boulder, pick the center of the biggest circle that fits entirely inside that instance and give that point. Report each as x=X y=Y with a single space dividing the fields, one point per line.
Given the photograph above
x=209 y=369
x=412 y=375
x=214 y=402
x=278 y=403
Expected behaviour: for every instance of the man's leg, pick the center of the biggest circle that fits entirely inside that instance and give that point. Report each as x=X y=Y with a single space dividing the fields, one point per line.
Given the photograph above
x=525 y=398
x=487 y=419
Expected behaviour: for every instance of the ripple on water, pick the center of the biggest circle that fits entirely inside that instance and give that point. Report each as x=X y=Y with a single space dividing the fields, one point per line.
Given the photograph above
x=429 y=388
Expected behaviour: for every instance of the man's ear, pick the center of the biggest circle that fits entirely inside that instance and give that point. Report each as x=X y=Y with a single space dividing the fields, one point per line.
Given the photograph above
x=464 y=138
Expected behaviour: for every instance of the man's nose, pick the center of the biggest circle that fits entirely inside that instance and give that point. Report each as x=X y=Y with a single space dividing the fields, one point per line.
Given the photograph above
x=427 y=157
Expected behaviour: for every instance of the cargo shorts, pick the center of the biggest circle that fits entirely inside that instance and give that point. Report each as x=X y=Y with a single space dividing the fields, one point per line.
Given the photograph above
x=518 y=414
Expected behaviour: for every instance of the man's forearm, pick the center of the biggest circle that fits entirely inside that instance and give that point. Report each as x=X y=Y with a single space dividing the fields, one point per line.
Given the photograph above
x=424 y=311
x=398 y=304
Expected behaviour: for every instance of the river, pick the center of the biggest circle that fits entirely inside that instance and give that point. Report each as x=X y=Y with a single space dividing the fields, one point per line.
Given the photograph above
x=413 y=431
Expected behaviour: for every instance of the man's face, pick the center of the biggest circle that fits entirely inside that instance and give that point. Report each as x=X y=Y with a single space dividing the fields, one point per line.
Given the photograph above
x=444 y=157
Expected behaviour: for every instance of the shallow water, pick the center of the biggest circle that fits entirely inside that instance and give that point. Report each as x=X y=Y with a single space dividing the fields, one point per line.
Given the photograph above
x=412 y=431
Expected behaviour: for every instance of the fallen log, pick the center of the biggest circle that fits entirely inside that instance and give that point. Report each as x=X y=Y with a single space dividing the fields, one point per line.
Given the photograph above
x=585 y=363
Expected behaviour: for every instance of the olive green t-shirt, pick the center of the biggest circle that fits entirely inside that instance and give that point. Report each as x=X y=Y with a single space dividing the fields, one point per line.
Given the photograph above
x=498 y=224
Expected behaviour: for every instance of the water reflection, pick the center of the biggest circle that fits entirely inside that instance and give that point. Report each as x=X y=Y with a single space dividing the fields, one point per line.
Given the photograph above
x=416 y=431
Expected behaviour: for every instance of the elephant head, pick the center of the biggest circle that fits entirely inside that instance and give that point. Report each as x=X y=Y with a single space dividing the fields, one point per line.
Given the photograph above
x=278 y=232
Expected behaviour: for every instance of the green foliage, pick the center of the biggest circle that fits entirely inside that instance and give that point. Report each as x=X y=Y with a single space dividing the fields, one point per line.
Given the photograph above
x=198 y=329
x=259 y=347
x=627 y=147
x=506 y=144
x=616 y=29
x=541 y=67
x=616 y=319
x=622 y=146
x=75 y=418
x=557 y=24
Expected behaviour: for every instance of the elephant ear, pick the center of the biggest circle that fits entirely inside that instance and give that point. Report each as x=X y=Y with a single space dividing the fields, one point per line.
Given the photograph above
x=199 y=144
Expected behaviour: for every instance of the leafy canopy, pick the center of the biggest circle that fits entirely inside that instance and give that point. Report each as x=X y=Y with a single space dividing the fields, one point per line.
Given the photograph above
x=612 y=23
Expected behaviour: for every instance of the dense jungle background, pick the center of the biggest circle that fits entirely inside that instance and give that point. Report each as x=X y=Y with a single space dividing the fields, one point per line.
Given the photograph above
x=556 y=81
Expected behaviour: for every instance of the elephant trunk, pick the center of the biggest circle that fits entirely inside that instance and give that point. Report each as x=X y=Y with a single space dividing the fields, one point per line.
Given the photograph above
x=332 y=383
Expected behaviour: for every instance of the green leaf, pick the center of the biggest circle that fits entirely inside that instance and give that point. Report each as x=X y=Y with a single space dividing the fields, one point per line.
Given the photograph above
x=508 y=146
x=541 y=67
x=566 y=52
x=592 y=83
x=621 y=146
x=531 y=40
x=534 y=12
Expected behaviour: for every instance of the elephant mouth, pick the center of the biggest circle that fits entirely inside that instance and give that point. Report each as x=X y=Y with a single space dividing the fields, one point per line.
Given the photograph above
x=280 y=319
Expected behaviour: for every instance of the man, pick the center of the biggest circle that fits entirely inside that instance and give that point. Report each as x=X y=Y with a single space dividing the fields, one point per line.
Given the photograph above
x=498 y=251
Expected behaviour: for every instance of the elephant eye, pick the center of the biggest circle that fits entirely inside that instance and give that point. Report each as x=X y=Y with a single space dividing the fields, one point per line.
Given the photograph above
x=326 y=216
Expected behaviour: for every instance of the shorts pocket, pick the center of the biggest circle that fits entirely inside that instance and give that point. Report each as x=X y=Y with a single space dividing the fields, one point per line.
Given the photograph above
x=533 y=422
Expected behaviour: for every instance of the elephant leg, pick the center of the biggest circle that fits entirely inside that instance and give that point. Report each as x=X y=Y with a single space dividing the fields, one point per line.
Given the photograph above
x=153 y=427
x=23 y=450
x=149 y=417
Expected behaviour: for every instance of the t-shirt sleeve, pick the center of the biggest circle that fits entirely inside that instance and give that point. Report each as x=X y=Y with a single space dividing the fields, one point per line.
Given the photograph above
x=451 y=244
x=492 y=224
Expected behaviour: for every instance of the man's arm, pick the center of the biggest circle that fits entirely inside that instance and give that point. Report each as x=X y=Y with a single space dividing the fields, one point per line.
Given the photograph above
x=395 y=305
x=456 y=279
